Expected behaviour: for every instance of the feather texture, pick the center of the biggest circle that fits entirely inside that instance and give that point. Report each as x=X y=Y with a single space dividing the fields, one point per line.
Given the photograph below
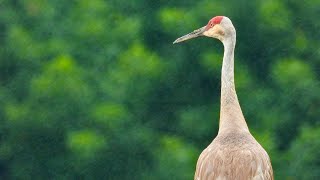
x=234 y=154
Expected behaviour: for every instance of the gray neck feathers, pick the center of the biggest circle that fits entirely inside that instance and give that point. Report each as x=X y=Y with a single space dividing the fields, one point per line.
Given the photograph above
x=231 y=117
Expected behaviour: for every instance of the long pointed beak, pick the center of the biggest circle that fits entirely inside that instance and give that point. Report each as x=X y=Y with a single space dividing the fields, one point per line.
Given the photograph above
x=194 y=34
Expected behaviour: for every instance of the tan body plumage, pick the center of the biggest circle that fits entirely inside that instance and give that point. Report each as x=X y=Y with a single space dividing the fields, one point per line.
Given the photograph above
x=234 y=154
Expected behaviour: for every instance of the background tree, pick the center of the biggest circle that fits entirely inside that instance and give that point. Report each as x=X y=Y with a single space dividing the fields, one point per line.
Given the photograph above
x=96 y=90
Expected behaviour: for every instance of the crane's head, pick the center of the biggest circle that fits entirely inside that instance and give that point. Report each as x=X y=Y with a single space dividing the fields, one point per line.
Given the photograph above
x=219 y=27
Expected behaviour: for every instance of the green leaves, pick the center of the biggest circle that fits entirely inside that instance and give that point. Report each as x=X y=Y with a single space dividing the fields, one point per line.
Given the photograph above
x=293 y=72
x=275 y=15
x=110 y=115
x=96 y=90
x=172 y=153
x=86 y=143
x=61 y=78
x=304 y=153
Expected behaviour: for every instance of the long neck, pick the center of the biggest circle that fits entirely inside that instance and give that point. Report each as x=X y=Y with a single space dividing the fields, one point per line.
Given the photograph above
x=231 y=117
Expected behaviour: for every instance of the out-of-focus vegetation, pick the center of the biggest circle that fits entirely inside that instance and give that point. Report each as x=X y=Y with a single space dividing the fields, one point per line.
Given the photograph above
x=96 y=90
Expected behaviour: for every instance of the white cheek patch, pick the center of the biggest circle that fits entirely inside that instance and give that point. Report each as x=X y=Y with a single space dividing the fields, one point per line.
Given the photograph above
x=215 y=32
x=208 y=33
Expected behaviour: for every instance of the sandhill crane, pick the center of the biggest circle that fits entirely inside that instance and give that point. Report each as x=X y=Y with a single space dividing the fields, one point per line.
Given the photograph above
x=234 y=154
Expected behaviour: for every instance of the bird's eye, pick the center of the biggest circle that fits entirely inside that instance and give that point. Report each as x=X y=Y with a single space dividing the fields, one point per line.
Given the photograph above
x=211 y=25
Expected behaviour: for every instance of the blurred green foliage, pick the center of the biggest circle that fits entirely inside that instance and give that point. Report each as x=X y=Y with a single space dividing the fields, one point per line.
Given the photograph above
x=96 y=90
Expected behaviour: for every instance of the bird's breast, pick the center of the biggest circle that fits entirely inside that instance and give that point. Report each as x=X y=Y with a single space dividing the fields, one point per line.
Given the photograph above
x=233 y=156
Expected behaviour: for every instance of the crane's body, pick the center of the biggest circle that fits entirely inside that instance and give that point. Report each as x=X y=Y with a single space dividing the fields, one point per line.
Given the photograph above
x=234 y=154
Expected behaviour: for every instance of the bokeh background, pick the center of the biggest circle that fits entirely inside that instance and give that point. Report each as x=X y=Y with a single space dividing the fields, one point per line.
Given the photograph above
x=96 y=90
